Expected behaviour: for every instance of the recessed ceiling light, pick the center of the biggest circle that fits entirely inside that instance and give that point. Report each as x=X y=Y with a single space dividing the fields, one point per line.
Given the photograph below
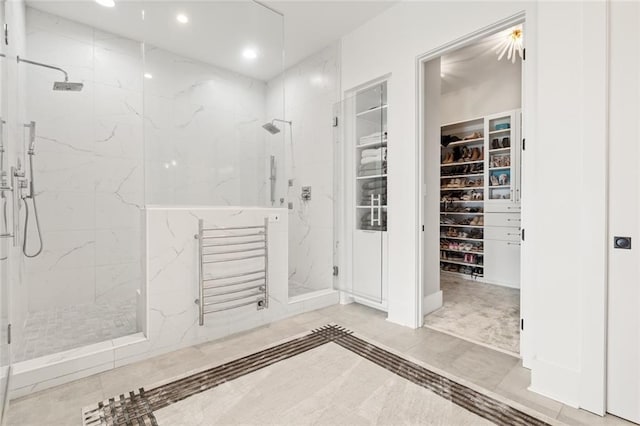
x=148 y=75
x=106 y=3
x=182 y=18
x=249 y=53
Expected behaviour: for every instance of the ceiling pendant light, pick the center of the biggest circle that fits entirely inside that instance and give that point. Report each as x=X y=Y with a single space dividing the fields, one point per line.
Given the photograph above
x=510 y=45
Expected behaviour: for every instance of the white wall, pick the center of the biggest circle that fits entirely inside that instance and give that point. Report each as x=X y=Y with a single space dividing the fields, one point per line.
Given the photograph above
x=558 y=131
x=495 y=87
x=311 y=90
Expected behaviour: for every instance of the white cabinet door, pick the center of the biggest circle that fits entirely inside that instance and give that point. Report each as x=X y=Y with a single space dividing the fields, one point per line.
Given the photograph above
x=623 y=355
x=367 y=264
x=502 y=262
x=502 y=162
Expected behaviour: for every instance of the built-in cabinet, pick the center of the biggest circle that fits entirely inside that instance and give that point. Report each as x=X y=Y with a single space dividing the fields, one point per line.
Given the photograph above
x=367 y=112
x=480 y=198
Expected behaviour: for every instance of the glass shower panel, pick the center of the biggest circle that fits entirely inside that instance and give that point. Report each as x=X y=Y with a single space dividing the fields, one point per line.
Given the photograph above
x=5 y=231
x=80 y=213
x=206 y=103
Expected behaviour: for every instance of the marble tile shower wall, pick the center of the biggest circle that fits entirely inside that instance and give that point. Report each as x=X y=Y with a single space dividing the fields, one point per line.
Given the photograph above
x=203 y=124
x=311 y=90
x=89 y=170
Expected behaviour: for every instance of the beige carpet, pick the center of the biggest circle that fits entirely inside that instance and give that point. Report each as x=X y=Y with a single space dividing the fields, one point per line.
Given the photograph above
x=480 y=312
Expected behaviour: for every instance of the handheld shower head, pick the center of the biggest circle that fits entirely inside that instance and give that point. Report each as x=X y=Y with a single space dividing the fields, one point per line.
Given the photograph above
x=32 y=137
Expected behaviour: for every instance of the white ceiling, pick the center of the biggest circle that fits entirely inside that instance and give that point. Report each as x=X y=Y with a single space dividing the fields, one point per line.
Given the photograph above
x=218 y=31
x=473 y=64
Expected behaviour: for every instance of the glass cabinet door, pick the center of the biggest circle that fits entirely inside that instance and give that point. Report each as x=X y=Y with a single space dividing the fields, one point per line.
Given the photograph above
x=362 y=134
x=502 y=160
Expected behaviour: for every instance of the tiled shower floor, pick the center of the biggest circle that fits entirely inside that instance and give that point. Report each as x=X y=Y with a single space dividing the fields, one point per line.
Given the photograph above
x=61 y=329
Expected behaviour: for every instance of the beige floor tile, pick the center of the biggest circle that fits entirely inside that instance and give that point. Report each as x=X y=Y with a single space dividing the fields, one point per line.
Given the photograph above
x=514 y=386
x=573 y=416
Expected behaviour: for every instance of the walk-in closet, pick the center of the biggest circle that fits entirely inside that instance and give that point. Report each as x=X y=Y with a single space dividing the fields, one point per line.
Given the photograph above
x=479 y=141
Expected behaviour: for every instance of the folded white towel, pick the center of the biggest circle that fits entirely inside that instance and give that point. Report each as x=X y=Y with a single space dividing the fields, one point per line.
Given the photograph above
x=368 y=160
x=371 y=152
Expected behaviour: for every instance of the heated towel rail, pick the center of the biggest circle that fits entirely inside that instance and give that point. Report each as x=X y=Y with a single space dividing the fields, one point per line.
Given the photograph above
x=231 y=273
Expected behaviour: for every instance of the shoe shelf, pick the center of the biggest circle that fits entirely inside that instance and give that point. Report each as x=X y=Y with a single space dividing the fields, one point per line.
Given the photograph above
x=462 y=188
x=461 y=176
x=461 y=163
x=500 y=168
x=496 y=132
x=455 y=262
x=474 y=213
x=499 y=150
x=467 y=141
x=445 y=237
x=461 y=201
x=462 y=251
x=457 y=225
x=368 y=207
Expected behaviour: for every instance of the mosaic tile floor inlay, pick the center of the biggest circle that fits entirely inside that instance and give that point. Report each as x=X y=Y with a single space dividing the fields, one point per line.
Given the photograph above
x=138 y=408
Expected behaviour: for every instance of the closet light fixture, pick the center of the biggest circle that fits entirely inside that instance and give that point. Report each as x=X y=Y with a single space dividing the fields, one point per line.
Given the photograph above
x=106 y=3
x=148 y=75
x=510 y=45
x=182 y=18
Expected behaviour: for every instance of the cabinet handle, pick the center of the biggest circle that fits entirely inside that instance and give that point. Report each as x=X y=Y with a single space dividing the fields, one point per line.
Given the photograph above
x=512 y=234
x=513 y=244
x=514 y=220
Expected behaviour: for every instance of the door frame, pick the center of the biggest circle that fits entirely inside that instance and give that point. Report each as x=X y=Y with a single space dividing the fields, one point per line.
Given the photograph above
x=517 y=19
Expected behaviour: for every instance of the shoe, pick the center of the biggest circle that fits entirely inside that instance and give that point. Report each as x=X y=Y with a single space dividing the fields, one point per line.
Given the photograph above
x=506 y=142
x=475 y=156
x=495 y=144
x=494 y=180
x=474 y=135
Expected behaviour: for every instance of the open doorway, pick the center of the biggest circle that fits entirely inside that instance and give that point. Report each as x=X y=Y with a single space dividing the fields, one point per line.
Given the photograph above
x=472 y=103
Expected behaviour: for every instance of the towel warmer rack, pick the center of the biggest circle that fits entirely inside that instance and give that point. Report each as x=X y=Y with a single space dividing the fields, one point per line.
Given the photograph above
x=232 y=245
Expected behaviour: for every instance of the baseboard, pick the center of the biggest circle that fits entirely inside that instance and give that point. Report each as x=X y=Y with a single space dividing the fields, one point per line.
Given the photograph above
x=556 y=382
x=432 y=303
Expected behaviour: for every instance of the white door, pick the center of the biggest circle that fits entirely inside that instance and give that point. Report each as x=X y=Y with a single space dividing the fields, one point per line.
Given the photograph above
x=623 y=360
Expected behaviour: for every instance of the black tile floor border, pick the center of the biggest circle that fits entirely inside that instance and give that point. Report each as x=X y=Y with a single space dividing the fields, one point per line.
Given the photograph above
x=137 y=409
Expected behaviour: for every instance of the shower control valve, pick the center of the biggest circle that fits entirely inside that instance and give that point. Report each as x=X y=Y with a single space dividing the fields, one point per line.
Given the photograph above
x=306 y=193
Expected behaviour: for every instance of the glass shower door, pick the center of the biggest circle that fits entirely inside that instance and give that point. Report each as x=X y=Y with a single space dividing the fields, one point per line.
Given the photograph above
x=361 y=135
x=5 y=236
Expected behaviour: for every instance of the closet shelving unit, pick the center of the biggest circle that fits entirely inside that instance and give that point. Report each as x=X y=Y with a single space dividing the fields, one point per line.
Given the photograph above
x=479 y=195
x=462 y=198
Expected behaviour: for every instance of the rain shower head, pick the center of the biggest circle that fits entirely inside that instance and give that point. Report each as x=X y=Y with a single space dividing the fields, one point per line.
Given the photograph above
x=272 y=128
x=64 y=86
x=67 y=86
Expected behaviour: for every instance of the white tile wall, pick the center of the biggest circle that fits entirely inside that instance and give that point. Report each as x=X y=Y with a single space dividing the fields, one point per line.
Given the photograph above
x=89 y=171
